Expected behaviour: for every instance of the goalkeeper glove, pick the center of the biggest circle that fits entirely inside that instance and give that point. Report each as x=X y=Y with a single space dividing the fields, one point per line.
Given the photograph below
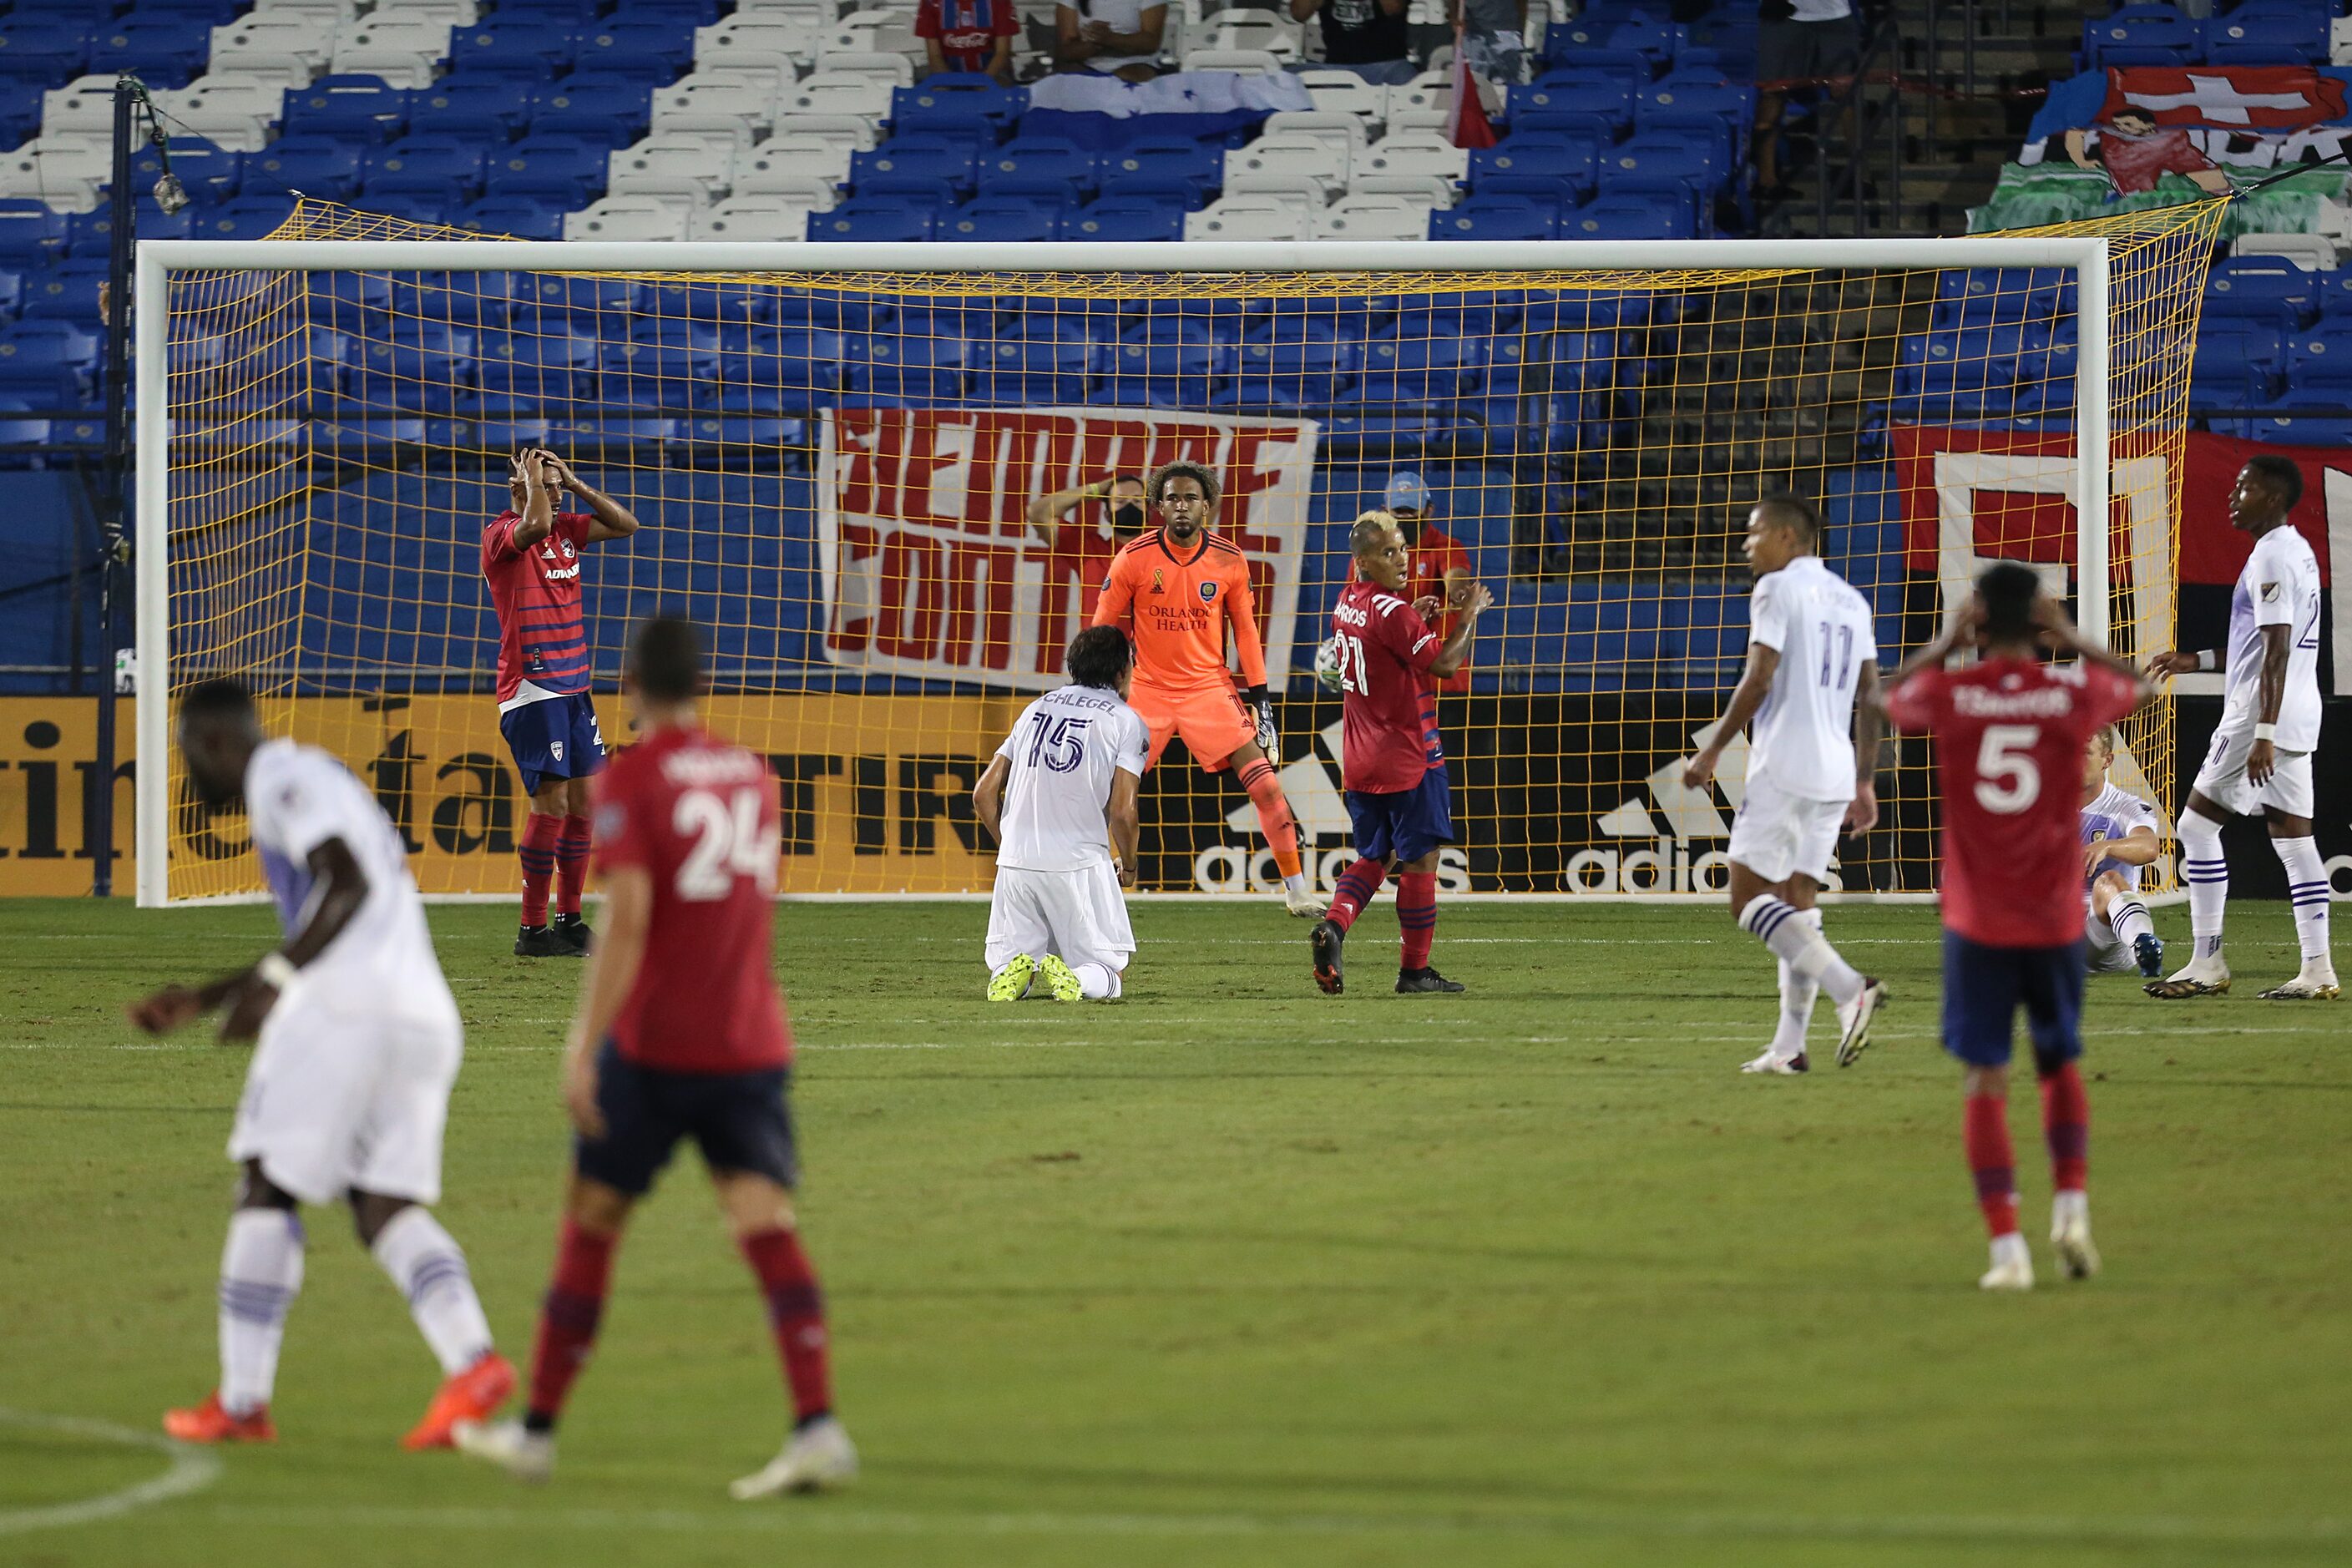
x=1269 y=736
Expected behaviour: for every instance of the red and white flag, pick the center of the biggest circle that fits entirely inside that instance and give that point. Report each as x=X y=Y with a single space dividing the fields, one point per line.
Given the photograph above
x=1466 y=124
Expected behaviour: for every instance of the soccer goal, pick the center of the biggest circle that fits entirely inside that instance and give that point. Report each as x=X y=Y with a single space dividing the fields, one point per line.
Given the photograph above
x=855 y=466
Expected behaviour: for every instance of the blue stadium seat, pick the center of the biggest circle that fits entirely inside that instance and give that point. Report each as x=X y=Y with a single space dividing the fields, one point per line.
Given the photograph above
x=957 y=103
x=1649 y=161
x=423 y=366
x=210 y=174
x=1289 y=375
x=1164 y=166
x=930 y=166
x=889 y=380
x=166 y=52
x=20 y=111
x=1577 y=102
x=1165 y=326
x=2262 y=288
x=586 y=304
x=45 y=363
x=1421 y=370
x=611 y=111
x=1173 y=360
x=522 y=373
x=2262 y=344
x=574 y=14
x=46 y=52
x=245 y=217
x=12 y=288
x=211 y=13
x=2270 y=36
x=651 y=376
x=1621 y=218
x=1718 y=112
x=731 y=309
x=315 y=165
x=31 y=233
x=417 y=203
x=527 y=49
x=1000 y=217
x=352 y=108
x=1127 y=220
x=1034 y=372
x=65 y=291
x=563 y=174
x=91 y=234
x=653 y=52
x=1039 y=166
x=1496 y=217
x=471 y=299
x=2141 y=35
x=470 y=107
x=2321 y=356
x=893 y=220
x=688 y=13
x=1556 y=160
x=2329 y=427
x=2223 y=380
x=448 y=166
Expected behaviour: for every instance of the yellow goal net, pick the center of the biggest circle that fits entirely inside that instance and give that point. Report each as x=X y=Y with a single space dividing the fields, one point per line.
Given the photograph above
x=888 y=493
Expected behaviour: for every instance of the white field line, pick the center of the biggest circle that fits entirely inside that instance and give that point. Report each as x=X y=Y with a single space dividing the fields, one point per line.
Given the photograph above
x=191 y=1470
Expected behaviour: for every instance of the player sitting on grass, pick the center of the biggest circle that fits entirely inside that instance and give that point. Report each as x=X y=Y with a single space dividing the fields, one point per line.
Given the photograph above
x=2009 y=731
x=1811 y=648
x=1392 y=759
x=349 y=1090
x=1059 y=799
x=2119 y=837
x=680 y=1034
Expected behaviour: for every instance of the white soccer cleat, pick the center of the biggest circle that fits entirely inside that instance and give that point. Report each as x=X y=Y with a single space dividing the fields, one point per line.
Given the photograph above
x=1853 y=1019
x=1303 y=903
x=525 y=1455
x=2198 y=977
x=1770 y=1062
x=2070 y=1234
x=2010 y=1274
x=817 y=1457
x=2310 y=985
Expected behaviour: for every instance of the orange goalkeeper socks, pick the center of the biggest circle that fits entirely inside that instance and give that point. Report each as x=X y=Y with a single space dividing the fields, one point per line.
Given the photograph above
x=1274 y=819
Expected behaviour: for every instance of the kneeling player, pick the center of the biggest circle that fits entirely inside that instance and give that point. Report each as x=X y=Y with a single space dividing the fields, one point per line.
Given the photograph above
x=349 y=1090
x=1059 y=799
x=2007 y=729
x=1391 y=759
x=680 y=1034
x=2118 y=837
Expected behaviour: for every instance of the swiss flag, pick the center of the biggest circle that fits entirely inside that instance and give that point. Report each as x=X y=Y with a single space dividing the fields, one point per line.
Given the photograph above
x=2235 y=98
x=1467 y=125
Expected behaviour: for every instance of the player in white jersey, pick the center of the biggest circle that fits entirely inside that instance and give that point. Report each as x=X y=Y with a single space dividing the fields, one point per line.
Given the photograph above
x=348 y=1090
x=1059 y=795
x=2260 y=760
x=1812 y=647
x=2119 y=837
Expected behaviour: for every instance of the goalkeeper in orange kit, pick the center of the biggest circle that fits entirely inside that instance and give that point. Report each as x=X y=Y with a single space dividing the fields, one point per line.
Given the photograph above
x=1180 y=586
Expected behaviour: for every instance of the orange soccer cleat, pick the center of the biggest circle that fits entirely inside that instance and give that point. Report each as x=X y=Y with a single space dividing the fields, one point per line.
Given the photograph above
x=209 y=1422
x=473 y=1394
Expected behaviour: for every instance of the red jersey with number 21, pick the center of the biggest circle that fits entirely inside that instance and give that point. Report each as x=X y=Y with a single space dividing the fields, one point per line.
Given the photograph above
x=1389 y=703
x=2010 y=735
x=700 y=817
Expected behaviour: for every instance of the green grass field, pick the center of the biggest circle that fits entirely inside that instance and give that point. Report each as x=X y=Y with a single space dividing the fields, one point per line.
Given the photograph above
x=1232 y=1272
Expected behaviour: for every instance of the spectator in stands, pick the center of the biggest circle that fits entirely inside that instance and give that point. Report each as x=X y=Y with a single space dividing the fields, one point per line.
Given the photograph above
x=1076 y=549
x=1440 y=567
x=1366 y=36
x=1493 y=34
x=973 y=35
x=1800 y=45
x=1119 y=37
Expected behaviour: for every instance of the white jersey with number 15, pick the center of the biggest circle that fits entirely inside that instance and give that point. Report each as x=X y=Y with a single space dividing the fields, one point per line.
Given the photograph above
x=1802 y=742
x=1064 y=752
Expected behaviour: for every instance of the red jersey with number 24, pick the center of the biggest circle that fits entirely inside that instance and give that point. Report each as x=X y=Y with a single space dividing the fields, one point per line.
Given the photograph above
x=700 y=817
x=2008 y=744
x=1389 y=703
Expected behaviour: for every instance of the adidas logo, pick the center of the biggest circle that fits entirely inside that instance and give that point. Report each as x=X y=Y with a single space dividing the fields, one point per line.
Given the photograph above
x=1670 y=824
x=1326 y=832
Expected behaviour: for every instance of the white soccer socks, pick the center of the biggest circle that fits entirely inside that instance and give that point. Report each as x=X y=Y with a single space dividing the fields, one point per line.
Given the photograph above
x=429 y=1268
x=2307 y=891
x=2130 y=919
x=2207 y=873
x=261 y=1273
x=1097 y=982
x=1775 y=922
x=1797 y=994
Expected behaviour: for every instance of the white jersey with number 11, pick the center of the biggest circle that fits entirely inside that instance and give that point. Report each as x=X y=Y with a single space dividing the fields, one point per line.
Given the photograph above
x=1802 y=739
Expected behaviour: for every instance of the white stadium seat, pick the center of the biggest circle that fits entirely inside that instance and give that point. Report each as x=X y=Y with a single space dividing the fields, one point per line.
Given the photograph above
x=761 y=219
x=1259 y=216
x=2312 y=252
x=1327 y=126
x=756 y=38
x=806 y=13
x=64 y=172
x=736 y=102
x=629 y=217
x=1255 y=62
x=227 y=109
x=320 y=13
x=1415 y=152
x=455 y=12
x=398 y=68
x=865 y=97
x=1345 y=92
x=417 y=33
x=83 y=106
x=896 y=69
x=806 y=177
x=1264 y=30
x=689 y=165
x=854 y=132
x=1289 y=163
x=1360 y=215
x=279 y=33
x=1429 y=190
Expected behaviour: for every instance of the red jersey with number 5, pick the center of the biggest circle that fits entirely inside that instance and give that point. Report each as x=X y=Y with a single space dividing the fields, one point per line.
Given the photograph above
x=2008 y=746
x=1389 y=701
x=700 y=817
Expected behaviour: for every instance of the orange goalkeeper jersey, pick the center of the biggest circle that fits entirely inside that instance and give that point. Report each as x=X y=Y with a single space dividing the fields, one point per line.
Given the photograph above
x=1179 y=606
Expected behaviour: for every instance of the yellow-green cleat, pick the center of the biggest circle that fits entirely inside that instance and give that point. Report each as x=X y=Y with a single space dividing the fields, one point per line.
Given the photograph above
x=1010 y=982
x=1058 y=980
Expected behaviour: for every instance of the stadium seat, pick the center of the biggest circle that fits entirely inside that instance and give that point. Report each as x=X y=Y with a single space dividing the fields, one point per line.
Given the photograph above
x=1621 y=217
x=1238 y=30
x=66 y=174
x=2142 y=36
x=1313 y=163
x=564 y=171
x=31 y=234
x=1245 y=62
x=2256 y=288
x=2320 y=356
x=1568 y=163
x=894 y=221
x=1721 y=113
x=754 y=38
x=350 y=108
x=886 y=68
x=422 y=203
x=810 y=178
x=83 y=108
x=653 y=376
x=765 y=218
x=315 y=165
x=1496 y=217
x=915 y=166
x=1122 y=219
x=65 y=290
x=1163 y=166
x=610 y=111
x=1256 y=215
x=472 y=107
x=2264 y=345
x=1577 y=102
x=512 y=217
x=1018 y=217
x=523 y=50
x=2327 y=426
x=1041 y=167
x=691 y=165
x=1344 y=92
x=628 y=217
x=957 y=103
x=801 y=128
x=1416 y=153
x=656 y=52
x=163 y=52
x=1292 y=375
x=2268 y=37
x=903 y=366
x=228 y=110
x=741 y=102
x=1366 y=216
x=862 y=96
x=44 y=52
x=441 y=164
x=263 y=39
x=394 y=68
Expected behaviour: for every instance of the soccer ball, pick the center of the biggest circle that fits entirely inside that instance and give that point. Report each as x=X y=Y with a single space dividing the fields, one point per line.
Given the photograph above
x=1327 y=663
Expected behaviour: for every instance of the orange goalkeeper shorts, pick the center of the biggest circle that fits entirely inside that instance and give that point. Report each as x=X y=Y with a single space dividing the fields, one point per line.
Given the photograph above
x=1213 y=721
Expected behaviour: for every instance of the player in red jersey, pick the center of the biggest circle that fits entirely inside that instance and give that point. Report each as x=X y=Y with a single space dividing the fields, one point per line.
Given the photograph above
x=680 y=1034
x=1391 y=759
x=531 y=558
x=1440 y=567
x=2009 y=732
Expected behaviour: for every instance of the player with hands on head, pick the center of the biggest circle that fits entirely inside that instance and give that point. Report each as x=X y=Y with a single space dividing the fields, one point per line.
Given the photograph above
x=1182 y=587
x=1812 y=748
x=1059 y=799
x=531 y=558
x=1393 y=760
x=2009 y=731
x=2260 y=759
x=347 y=1092
x=680 y=1034
x=2119 y=837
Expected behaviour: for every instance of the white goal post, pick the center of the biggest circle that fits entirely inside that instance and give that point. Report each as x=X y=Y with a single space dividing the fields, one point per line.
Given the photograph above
x=1417 y=263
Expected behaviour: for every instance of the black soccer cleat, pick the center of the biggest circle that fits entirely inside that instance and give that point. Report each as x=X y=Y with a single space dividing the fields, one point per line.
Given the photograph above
x=2147 y=951
x=573 y=929
x=540 y=942
x=1327 y=939
x=1426 y=982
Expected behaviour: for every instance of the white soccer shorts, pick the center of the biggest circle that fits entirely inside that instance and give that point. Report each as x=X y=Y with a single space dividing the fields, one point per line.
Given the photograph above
x=1777 y=835
x=1079 y=915
x=2223 y=779
x=342 y=1095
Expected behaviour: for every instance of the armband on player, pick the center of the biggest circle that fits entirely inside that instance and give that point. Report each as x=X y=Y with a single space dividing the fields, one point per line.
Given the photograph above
x=2210 y=658
x=2266 y=733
